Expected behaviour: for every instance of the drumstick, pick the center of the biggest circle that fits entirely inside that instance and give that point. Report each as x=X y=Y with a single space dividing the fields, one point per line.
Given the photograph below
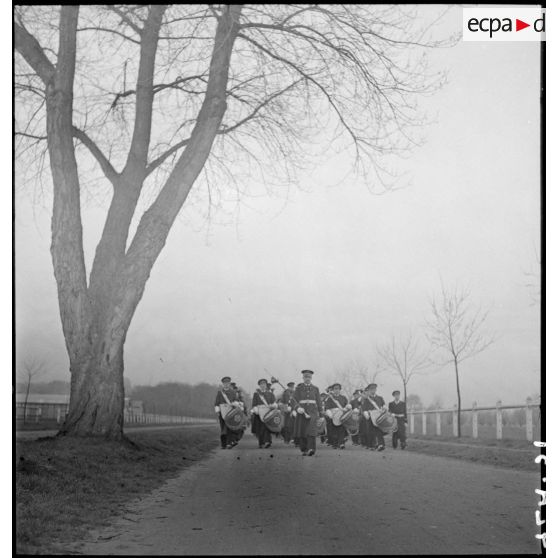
x=274 y=380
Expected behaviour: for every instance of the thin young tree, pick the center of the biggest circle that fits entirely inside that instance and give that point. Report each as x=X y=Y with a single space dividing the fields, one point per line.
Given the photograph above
x=405 y=358
x=32 y=369
x=455 y=330
x=143 y=102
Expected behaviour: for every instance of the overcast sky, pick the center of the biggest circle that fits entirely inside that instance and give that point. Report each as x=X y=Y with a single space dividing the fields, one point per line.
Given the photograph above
x=318 y=280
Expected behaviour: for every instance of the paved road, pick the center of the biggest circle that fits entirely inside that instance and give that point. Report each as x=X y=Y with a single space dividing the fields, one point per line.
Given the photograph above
x=34 y=434
x=250 y=501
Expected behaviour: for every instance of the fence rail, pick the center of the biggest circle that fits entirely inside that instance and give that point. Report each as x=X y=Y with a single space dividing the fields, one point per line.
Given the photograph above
x=150 y=418
x=513 y=427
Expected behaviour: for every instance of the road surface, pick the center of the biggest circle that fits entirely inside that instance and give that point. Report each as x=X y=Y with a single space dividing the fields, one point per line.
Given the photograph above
x=251 y=501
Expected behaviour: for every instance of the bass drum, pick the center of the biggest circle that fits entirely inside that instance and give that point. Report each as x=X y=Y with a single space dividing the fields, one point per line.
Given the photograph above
x=384 y=420
x=235 y=419
x=336 y=415
x=274 y=420
x=321 y=426
x=350 y=420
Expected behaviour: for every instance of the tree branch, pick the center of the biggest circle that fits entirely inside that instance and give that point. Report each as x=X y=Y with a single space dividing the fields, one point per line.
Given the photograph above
x=104 y=163
x=33 y=54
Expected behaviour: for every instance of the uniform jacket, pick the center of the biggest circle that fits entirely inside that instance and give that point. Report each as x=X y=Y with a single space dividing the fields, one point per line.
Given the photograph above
x=356 y=403
x=330 y=403
x=267 y=395
x=308 y=392
x=231 y=394
x=367 y=404
x=399 y=408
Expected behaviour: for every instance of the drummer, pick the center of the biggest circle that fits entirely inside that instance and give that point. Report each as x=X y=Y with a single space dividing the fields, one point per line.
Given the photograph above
x=226 y=396
x=328 y=438
x=262 y=401
x=335 y=405
x=355 y=405
x=398 y=409
x=374 y=402
x=307 y=412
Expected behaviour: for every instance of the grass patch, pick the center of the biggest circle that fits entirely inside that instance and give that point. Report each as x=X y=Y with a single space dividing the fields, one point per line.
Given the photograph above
x=67 y=486
x=512 y=454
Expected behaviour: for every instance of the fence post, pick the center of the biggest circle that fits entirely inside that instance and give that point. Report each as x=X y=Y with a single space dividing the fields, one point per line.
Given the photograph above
x=423 y=423
x=529 y=419
x=438 y=424
x=412 y=423
x=498 y=420
x=475 y=421
x=455 y=432
x=59 y=414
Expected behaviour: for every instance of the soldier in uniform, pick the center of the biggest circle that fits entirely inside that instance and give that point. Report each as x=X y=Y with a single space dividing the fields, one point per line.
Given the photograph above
x=307 y=412
x=336 y=401
x=240 y=433
x=355 y=404
x=287 y=404
x=398 y=409
x=373 y=402
x=262 y=396
x=328 y=418
x=226 y=396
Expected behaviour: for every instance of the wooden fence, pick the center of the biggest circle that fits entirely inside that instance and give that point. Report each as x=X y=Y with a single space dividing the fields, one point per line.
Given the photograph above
x=150 y=418
x=500 y=421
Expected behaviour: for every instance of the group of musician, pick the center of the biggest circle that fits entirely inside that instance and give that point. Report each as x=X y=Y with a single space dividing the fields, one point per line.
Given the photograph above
x=304 y=413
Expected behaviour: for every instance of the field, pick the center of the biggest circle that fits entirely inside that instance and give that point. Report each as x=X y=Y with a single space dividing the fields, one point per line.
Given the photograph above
x=65 y=486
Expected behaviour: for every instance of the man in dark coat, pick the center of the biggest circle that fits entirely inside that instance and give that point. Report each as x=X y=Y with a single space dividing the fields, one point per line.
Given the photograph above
x=226 y=396
x=336 y=404
x=398 y=409
x=308 y=411
x=355 y=404
x=373 y=402
x=287 y=407
x=262 y=400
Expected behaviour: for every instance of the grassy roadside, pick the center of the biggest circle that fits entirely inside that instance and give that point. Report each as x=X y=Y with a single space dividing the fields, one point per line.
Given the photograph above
x=511 y=454
x=64 y=486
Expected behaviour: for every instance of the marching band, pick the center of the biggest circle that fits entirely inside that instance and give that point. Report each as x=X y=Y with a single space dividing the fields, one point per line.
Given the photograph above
x=302 y=413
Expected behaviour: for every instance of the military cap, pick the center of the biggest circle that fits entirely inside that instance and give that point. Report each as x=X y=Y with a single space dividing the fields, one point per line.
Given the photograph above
x=262 y=380
x=371 y=386
x=226 y=379
x=290 y=384
x=304 y=372
x=396 y=391
x=336 y=385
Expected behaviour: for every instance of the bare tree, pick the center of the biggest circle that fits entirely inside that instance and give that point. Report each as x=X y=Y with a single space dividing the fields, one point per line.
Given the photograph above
x=455 y=330
x=356 y=374
x=31 y=369
x=139 y=101
x=405 y=358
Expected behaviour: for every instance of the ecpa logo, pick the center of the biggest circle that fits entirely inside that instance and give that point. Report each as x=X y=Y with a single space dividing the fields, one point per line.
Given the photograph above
x=504 y=24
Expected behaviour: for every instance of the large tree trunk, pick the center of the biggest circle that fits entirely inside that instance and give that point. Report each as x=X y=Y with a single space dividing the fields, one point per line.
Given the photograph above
x=97 y=393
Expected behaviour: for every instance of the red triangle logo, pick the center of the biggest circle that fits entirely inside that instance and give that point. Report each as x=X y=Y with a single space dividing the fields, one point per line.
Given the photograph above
x=519 y=25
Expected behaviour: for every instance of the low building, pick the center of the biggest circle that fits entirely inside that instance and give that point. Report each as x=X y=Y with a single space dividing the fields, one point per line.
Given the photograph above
x=42 y=406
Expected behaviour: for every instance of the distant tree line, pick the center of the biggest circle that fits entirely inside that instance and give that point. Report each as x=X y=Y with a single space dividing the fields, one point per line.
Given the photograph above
x=177 y=399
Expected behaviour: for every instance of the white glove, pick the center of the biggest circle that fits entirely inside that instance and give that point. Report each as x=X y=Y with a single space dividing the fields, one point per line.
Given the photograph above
x=217 y=409
x=300 y=411
x=235 y=404
x=329 y=413
x=348 y=407
x=293 y=414
x=357 y=411
x=289 y=409
x=273 y=405
x=253 y=410
x=366 y=414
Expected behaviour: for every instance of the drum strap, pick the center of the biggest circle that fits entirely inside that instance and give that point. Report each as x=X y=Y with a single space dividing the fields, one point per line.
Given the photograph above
x=335 y=401
x=226 y=398
x=264 y=402
x=373 y=403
